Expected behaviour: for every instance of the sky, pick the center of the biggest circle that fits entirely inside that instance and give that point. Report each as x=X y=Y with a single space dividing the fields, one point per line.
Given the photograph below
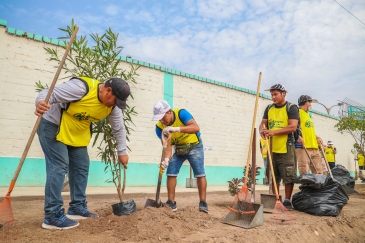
x=313 y=47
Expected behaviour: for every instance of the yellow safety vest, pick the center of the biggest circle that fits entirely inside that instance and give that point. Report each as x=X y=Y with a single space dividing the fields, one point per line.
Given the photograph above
x=76 y=119
x=278 y=119
x=179 y=138
x=360 y=159
x=330 y=155
x=263 y=147
x=308 y=132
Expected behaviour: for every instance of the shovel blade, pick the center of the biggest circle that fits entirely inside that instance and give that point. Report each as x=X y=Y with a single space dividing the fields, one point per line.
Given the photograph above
x=268 y=202
x=153 y=203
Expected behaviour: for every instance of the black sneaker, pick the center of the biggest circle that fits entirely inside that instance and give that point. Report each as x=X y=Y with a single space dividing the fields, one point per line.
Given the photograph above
x=287 y=204
x=203 y=206
x=59 y=222
x=172 y=205
x=80 y=213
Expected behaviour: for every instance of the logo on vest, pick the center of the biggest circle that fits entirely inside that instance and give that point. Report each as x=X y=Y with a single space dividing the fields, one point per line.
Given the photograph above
x=272 y=123
x=83 y=117
x=308 y=124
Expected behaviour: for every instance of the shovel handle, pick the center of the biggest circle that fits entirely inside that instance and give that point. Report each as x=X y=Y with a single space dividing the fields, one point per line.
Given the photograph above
x=310 y=159
x=38 y=121
x=271 y=167
x=325 y=159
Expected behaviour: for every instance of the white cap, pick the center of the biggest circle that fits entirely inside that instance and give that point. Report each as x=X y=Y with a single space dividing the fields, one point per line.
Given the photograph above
x=160 y=109
x=330 y=143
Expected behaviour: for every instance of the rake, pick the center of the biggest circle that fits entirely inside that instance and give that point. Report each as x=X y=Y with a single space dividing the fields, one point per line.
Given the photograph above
x=243 y=195
x=280 y=213
x=6 y=213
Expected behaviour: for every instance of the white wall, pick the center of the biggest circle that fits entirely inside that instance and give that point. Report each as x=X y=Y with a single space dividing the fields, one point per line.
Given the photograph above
x=224 y=114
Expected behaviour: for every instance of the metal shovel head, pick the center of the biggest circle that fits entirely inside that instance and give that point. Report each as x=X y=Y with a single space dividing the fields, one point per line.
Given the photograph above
x=153 y=203
x=268 y=202
x=245 y=220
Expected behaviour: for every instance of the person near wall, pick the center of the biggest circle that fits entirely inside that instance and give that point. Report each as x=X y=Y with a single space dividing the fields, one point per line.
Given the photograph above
x=186 y=137
x=330 y=152
x=307 y=139
x=263 y=150
x=64 y=134
x=279 y=123
x=360 y=160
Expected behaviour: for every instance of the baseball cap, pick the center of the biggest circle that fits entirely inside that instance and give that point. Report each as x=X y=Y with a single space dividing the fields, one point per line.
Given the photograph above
x=160 y=109
x=120 y=89
x=330 y=143
x=303 y=99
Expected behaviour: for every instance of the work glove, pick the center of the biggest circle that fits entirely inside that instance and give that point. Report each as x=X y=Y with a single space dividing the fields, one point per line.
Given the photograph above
x=169 y=130
x=164 y=163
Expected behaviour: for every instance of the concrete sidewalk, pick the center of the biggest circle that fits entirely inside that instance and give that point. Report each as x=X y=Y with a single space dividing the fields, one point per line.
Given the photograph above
x=39 y=191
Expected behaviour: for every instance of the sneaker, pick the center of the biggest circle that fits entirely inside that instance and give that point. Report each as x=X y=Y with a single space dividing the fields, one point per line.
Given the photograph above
x=59 y=221
x=80 y=213
x=172 y=205
x=203 y=206
x=287 y=204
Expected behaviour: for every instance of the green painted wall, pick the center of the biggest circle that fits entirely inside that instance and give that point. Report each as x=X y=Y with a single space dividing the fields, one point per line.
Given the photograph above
x=168 y=88
x=33 y=173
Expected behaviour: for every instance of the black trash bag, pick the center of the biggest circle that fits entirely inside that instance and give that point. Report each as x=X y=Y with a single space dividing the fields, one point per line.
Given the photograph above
x=326 y=201
x=124 y=208
x=316 y=181
x=341 y=174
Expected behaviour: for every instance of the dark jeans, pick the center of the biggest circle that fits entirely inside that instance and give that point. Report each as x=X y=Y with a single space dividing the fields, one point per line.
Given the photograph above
x=332 y=165
x=60 y=159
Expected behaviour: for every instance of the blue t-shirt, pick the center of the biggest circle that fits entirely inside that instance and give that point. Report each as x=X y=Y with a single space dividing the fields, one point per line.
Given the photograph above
x=184 y=115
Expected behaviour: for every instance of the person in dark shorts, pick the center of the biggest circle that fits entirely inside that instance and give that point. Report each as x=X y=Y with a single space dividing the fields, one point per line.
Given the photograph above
x=279 y=123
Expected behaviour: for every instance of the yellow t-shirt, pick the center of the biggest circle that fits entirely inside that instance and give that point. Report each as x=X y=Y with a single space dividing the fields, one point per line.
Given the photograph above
x=330 y=154
x=360 y=159
x=308 y=132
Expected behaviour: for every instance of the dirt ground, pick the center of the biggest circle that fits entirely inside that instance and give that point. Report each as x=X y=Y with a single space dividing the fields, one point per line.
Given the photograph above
x=185 y=225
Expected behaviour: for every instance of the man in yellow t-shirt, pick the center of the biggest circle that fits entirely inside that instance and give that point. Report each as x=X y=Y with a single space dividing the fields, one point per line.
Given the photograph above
x=330 y=152
x=279 y=122
x=360 y=160
x=307 y=139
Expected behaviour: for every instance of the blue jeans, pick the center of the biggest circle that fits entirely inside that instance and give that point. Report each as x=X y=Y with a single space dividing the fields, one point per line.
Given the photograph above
x=195 y=158
x=60 y=159
x=332 y=165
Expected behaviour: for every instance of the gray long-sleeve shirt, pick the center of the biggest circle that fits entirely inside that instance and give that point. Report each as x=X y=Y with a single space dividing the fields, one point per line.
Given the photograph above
x=73 y=90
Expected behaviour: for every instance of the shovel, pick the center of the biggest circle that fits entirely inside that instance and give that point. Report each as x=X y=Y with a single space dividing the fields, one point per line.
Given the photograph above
x=268 y=201
x=157 y=202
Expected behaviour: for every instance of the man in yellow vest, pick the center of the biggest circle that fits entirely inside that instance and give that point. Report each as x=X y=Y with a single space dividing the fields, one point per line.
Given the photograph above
x=330 y=152
x=279 y=123
x=308 y=139
x=360 y=160
x=185 y=136
x=263 y=150
x=64 y=134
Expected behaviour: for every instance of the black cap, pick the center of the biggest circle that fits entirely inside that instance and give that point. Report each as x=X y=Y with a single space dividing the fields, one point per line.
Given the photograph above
x=120 y=89
x=304 y=98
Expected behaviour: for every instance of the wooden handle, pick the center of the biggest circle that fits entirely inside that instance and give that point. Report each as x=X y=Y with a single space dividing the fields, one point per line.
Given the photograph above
x=252 y=128
x=272 y=168
x=325 y=159
x=36 y=125
x=310 y=159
